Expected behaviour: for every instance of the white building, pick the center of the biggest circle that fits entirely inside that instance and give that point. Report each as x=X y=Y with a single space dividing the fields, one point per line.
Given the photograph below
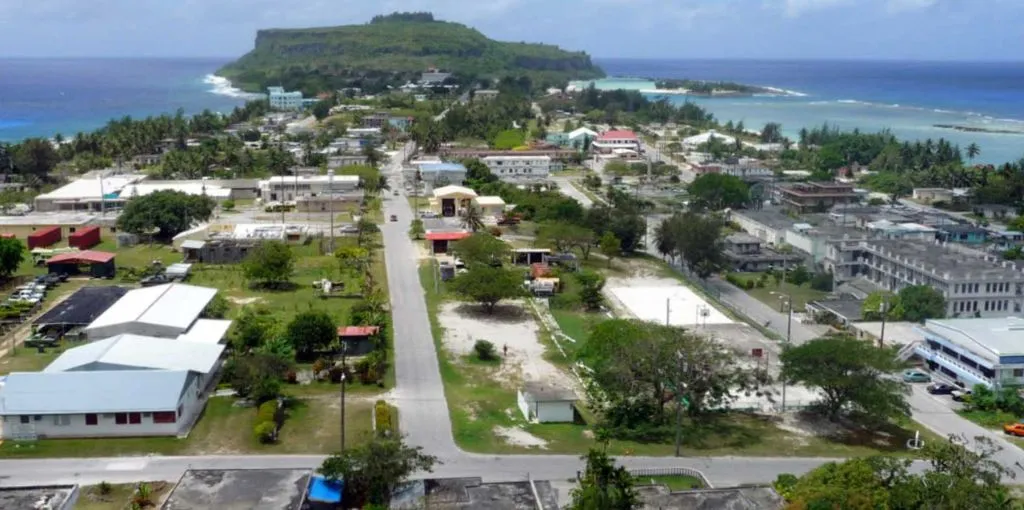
x=519 y=168
x=975 y=351
x=282 y=188
x=616 y=141
x=164 y=311
x=86 y=194
x=703 y=138
x=547 y=404
x=281 y=100
x=99 y=404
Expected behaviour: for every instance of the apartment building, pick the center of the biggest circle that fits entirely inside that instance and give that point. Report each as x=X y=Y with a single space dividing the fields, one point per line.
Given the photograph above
x=814 y=196
x=974 y=285
x=519 y=168
x=975 y=351
x=281 y=100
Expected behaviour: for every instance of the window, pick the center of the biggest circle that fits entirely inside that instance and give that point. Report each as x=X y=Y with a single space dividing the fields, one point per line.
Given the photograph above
x=25 y=419
x=134 y=418
x=121 y=418
x=164 y=417
x=61 y=420
x=91 y=419
x=1018 y=372
x=38 y=417
x=180 y=407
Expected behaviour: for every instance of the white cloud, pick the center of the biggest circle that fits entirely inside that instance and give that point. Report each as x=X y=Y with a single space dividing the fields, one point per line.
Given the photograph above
x=794 y=8
x=797 y=7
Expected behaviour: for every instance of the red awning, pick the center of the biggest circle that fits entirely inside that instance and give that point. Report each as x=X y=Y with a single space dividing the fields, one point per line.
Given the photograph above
x=446 y=236
x=82 y=257
x=345 y=331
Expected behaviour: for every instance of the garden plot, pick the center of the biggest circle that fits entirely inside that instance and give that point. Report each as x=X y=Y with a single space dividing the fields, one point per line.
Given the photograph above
x=654 y=299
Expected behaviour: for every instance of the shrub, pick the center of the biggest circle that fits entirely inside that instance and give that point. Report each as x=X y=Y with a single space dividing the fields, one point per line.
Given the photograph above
x=485 y=350
x=265 y=432
x=292 y=377
x=228 y=205
x=495 y=231
x=319 y=366
x=749 y=284
x=267 y=412
x=334 y=373
x=382 y=414
x=105 y=488
x=143 y=495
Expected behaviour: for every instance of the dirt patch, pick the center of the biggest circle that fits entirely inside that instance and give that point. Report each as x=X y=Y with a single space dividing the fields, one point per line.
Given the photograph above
x=244 y=301
x=519 y=437
x=509 y=326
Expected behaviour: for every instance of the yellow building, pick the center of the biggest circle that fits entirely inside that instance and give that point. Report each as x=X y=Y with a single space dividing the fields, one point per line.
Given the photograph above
x=452 y=200
x=489 y=206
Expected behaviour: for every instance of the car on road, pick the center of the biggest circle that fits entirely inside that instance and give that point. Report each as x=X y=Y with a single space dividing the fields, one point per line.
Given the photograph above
x=394 y=217
x=916 y=376
x=1014 y=429
x=960 y=395
x=941 y=389
x=395 y=193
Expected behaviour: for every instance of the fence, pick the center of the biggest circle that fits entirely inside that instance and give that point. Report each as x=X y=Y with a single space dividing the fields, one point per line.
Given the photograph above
x=672 y=471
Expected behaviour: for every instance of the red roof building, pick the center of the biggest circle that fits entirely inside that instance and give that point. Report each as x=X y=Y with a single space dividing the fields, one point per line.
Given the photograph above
x=82 y=257
x=356 y=340
x=357 y=331
x=440 y=242
x=617 y=134
x=616 y=140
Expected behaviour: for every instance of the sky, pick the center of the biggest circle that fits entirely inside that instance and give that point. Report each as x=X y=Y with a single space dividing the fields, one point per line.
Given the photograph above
x=793 y=29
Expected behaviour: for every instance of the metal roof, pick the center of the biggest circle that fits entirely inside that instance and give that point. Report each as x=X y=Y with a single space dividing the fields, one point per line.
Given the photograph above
x=193 y=244
x=346 y=331
x=139 y=352
x=82 y=307
x=206 y=331
x=446 y=236
x=174 y=305
x=990 y=338
x=82 y=257
x=91 y=392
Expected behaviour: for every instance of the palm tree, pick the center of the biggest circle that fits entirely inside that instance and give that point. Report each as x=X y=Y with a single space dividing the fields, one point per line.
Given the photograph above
x=973 y=151
x=471 y=219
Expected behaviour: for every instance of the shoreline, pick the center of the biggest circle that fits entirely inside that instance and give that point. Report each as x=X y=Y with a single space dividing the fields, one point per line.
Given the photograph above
x=645 y=84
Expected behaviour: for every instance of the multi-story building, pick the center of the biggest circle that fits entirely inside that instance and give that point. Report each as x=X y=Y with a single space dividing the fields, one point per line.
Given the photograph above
x=282 y=188
x=610 y=141
x=973 y=284
x=381 y=119
x=745 y=252
x=519 y=168
x=811 y=196
x=975 y=351
x=438 y=174
x=281 y=100
x=768 y=224
x=746 y=169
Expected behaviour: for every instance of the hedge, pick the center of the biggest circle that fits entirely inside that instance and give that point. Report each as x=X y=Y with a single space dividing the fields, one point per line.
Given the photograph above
x=382 y=413
x=265 y=430
x=267 y=412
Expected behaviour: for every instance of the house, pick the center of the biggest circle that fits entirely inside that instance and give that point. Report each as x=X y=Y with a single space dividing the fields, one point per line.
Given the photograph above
x=433 y=77
x=282 y=188
x=357 y=340
x=450 y=201
x=528 y=256
x=89 y=193
x=844 y=310
x=164 y=311
x=975 y=351
x=485 y=94
x=114 y=403
x=78 y=310
x=281 y=100
x=440 y=242
x=963 y=234
x=547 y=404
x=610 y=141
x=101 y=263
x=809 y=196
x=931 y=195
x=745 y=252
x=517 y=168
x=697 y=140
x=489 y=206
x=147 y=159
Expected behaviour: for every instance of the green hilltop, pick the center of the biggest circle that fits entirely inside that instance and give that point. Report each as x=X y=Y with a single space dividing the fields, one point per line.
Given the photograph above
x=393 y=49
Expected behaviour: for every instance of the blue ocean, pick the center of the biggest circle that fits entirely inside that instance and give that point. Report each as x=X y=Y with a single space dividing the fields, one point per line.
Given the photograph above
x=41 y=97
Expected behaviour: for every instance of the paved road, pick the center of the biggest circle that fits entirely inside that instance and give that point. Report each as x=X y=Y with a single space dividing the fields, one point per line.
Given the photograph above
x=567 y=189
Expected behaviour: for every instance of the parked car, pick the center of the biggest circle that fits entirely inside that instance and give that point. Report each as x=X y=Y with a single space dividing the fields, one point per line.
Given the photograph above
x=1014 y=429
x=40 y=340
x=394 y=217
x=395 y=193
x=916 y=376
x=960 y=395
x=157 y=279
x=941 y=389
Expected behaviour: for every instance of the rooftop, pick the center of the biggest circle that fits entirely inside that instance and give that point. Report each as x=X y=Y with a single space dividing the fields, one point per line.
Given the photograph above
x=356 y=331
x=489 y=200
x=446 y=236
x=734 y=498
x=617 y=134
x=895 y=332
x=91 y=392
x=453 y=190
x=442 y=167
x=742 y=238
x=307 y=179
x=206 y=331
x=541 y=157
x=175 y=305
x=82 y=257
x=190 y=187
x=56 y=497
x=94 y=188
x=82 y=307
x=540 y=392
x=770 y=217
x=943 y=260
x=472 y=493
x=48 y=218
x=139 y=352
x=999 y=337
x=251 y=489
x=846 y=308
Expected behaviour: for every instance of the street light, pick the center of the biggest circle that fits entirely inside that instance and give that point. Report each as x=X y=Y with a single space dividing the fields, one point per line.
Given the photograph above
x=344 y=349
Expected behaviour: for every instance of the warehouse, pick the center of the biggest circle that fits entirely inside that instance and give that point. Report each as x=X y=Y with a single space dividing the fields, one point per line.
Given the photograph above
x=135 y=352
x=164 y=311
x=78 y=310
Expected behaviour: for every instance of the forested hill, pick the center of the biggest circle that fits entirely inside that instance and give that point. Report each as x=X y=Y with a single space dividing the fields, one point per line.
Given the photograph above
x=392 y=50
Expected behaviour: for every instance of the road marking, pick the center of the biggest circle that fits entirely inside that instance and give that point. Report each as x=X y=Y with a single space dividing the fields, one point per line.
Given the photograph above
x=128 y=465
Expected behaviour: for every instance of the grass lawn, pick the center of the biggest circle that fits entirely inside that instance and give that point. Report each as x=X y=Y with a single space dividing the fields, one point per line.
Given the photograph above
x=673 y=482
x=28 y=360
x=774 y=295
x=990 y=419
x=576 y=324
x=478 y=404
x=120 y=496
x=311 y=426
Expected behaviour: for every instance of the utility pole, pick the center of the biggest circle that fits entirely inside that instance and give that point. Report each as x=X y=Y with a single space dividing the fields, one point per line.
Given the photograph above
x=344 y=368
x=789 y=329
x=883 y=308
x=330 y=201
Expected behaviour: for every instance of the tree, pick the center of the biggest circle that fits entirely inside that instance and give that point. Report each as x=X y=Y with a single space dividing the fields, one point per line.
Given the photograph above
x=611 y=247
x=416 y=230
x=603 y=485
x=321 y=109
x=481 y=248
x=477 y=173
x=253 y=327
x=471 y=219
x=217 y=308
x=364 y=229
x=714 y=192
x=372 y=471
x=488 y=285
x=973 y=151
x=270 y=264
x=591 y=285
x=256 y=376
x=882 y=303
x=35 y=157
x=696 y=238
x=310 y=332
x=771 y=133
x=563 y=237
x=846 y=370
x=353 y=260
x=12 y=253
x=373 y=156
x=920 y=302
x=165 y=213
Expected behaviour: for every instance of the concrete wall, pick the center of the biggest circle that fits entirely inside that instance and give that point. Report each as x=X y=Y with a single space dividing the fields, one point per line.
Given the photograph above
x=554 y=412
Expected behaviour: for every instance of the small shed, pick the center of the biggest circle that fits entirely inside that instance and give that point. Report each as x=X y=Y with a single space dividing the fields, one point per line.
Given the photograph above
x=490 y=205
x=527 y=256
x=546 y=403
x=357 y=340
x=440 y=242
x=101 y=263
x=179 y=271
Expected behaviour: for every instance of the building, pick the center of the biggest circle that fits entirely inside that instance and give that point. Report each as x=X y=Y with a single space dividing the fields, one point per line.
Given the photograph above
x=769 y=225
x=489 y=206
x=839 y=311
x=357 y=340
x=973 y=285
x=616 y=140
x=438 y=174
x=441 y=242
x=86 y=194
x=576 y=138
x=975 y=351
x=281 y=100
x=284 y=188
x=101 y=263
x=380 y=119
x=697 y=140
x=134 y=352
x=78 y=310
x=258 y=489
x=164 y=311
x=931 y=195
x=814 y=196
x=327 y=202
x=197 y=188
x=48 y=497
x=519 y=168
x=433 y=77
x=451 y=200
x=962 y=234
x=98 y=404
x=485 y=94
x=547 y=404
x=147 y=160
x=745 y=252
